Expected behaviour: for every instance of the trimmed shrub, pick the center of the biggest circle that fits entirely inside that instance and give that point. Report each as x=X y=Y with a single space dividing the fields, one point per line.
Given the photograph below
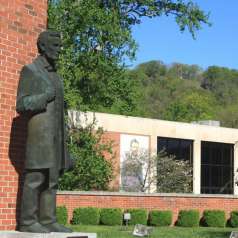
x=188 y=218
x=214 y=218
x=62 y=215
x=234 y=219
x=138 y=216
x=86 y=216
x=111 y=216
x=160 y=218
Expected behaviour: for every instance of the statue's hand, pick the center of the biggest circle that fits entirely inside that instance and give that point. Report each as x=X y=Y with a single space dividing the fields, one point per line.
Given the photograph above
x=50 y=94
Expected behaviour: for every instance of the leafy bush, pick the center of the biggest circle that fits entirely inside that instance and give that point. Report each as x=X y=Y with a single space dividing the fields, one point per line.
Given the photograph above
x=173 y=176
x=111 y=216
x=214 y=218
x=138 y=216
x=160 y=218
x=91 y=171
x=86 y=216
x=234 y=219
x=62 y=215
x=188 y=218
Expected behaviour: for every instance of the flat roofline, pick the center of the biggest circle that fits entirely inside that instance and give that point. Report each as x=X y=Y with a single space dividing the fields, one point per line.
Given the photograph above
x=158 y=120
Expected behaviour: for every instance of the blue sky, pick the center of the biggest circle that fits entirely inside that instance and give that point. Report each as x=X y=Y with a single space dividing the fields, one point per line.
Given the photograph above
x=160 y=39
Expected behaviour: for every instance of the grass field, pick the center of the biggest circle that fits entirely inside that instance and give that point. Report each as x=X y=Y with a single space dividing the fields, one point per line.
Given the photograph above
x=164 y=232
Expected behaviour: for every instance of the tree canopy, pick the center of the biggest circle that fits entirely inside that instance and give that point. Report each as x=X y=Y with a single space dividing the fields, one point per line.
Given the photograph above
x=180 y=92
x=97 y=36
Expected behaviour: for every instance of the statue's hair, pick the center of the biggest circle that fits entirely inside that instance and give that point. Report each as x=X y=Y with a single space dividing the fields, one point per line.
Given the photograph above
x=43 y=38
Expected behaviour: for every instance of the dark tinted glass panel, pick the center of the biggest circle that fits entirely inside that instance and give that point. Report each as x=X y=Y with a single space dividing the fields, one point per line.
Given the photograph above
x=205 y=155
x=162 y=145
x=205 y=170
x=217 y=168
x=226 y=156
x=216 y=155
x=227 y=176
x=216 y=176
x=181 y=149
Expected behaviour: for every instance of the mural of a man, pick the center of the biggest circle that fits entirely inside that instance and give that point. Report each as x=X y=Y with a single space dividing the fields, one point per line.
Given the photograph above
x=131 y=169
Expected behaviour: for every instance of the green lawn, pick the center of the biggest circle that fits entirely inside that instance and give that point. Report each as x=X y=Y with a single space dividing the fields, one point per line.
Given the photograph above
x=164 y=232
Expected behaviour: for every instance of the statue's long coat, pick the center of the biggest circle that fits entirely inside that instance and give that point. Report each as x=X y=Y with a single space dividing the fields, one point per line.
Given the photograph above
x=45 y=146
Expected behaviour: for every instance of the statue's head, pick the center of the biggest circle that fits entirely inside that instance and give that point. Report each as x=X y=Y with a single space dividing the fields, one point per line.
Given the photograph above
x=49 y=44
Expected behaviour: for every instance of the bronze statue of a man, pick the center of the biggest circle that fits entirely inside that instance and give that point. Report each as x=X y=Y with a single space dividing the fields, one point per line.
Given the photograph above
x=40 y=95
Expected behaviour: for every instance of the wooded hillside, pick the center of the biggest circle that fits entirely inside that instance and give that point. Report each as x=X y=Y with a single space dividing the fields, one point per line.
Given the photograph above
x=180 y=92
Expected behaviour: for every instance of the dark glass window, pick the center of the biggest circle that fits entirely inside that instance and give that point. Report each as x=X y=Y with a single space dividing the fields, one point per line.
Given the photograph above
x=180 y=148
x=216 y=168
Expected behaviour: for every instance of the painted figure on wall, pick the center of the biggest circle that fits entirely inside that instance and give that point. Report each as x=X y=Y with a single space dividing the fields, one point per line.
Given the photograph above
x=132 y=150
x=40 y=96
x=131 y=169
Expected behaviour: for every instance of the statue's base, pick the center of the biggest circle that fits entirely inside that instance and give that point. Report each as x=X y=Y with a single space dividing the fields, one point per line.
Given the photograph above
x=234 y=234
x=17 y=234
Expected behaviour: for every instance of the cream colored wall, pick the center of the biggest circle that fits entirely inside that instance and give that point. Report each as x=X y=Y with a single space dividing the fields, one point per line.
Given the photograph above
x=155 y=128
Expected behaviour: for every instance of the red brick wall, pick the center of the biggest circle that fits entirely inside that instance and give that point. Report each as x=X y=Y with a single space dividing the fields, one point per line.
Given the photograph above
x=159 y=202
x=114 y=137
x=20 y=23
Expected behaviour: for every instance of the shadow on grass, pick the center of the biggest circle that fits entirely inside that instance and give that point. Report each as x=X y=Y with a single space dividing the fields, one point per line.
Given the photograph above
x=214 y=234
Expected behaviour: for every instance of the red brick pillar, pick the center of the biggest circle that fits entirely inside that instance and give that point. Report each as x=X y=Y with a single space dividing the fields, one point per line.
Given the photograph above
x=20 y=23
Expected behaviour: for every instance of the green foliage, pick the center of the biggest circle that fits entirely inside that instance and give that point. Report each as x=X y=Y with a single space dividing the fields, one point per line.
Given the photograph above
x=173 y=176
x=220 y=81
x=138 y=216
x=62 y=215
x=111 y=216
x=97 y=37
x=92 y=171
x=234 y=219
x=185 y=72
x=86 y=216
x=158 y=232
x=180 y=92
x=188 y=218
x=94 y=43
x=191 y=107
x=161 y=86
x=228 y=115
x=214 y=218
x=164 y=232
x=223 y=84
x=160 y=218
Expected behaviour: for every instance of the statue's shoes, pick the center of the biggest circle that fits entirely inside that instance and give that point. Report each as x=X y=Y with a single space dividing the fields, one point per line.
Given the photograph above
x=56 y=227
x=34 y=228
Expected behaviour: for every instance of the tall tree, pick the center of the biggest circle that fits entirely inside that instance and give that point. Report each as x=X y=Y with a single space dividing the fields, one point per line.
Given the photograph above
x=96 y=39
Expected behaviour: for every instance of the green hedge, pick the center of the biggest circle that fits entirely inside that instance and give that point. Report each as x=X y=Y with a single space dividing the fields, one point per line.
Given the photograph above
x=62 y=215
x=214 y=218
x=111 y=216
x=234 y=219
x=160 y=218
x=188 y=218
x=138 y=216
x=86 y=216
